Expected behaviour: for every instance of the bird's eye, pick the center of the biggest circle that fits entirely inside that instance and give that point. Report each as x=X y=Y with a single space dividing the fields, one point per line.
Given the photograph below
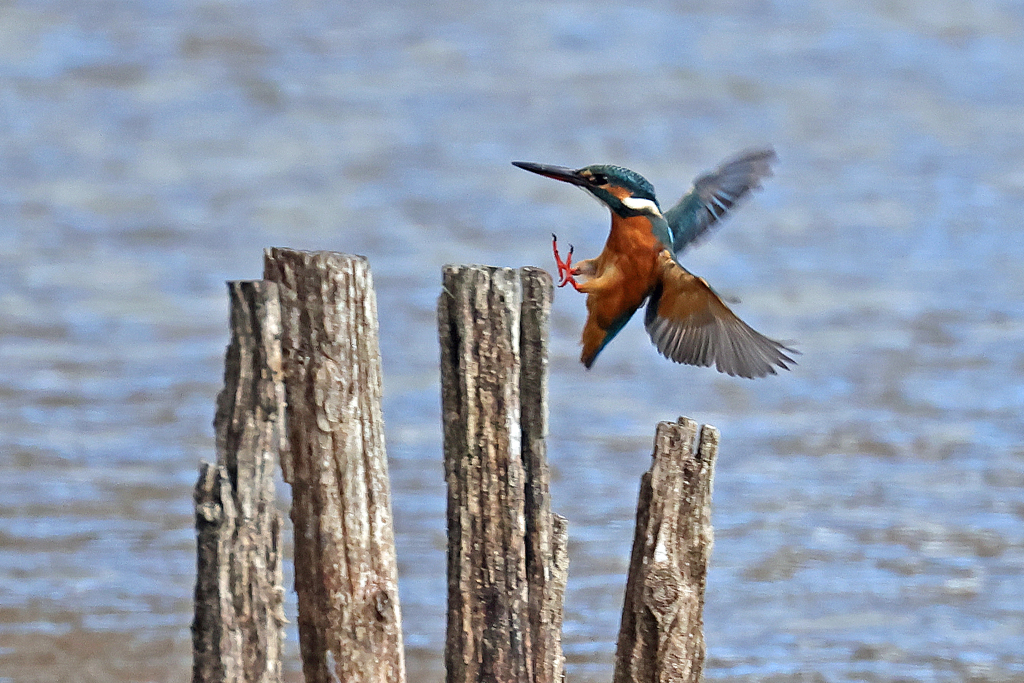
x=599 y=179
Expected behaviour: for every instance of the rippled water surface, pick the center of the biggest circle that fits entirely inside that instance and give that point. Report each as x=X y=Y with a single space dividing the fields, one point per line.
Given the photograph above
x=869 y=506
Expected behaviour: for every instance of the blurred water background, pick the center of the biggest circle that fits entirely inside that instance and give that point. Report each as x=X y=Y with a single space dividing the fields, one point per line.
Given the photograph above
x=869 y=506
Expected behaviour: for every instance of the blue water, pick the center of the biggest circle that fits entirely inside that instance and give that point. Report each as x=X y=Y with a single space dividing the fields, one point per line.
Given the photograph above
x=869 y=505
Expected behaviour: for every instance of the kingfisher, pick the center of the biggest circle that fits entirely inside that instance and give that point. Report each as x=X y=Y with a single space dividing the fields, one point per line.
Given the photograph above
x=687 y=321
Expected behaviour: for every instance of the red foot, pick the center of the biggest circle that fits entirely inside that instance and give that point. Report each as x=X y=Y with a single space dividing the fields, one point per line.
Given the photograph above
x=565 y=269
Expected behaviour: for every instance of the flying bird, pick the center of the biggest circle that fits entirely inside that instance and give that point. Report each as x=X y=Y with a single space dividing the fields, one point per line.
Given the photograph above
x=686 y=320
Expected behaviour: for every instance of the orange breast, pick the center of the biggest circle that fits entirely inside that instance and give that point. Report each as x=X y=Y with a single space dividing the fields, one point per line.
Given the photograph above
x=630 y=257
x=625 y=273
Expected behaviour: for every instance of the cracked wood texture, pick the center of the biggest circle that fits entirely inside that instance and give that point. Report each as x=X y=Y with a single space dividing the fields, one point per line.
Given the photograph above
x=547 y=555
x=507 y=557
x=346 y=572
x=661 y=638
x=237 y=628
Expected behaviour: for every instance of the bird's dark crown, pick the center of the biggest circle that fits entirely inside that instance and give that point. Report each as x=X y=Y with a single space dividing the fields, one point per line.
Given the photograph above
x=625 y=192
x=618 y=176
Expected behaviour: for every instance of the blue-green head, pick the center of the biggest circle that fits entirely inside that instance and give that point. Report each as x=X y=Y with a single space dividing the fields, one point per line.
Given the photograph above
x=625 y=192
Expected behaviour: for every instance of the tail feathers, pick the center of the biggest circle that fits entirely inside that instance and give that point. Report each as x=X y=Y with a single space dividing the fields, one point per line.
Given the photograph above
x=595 y=337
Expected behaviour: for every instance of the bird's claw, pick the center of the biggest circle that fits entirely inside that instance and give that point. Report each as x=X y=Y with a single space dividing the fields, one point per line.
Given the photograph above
x=566 y=272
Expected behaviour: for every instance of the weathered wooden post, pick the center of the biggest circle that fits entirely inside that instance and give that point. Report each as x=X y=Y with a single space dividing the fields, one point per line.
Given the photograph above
x=661 y=638
x=547 y=557
x=346 y=572
x=236 y=632
x=507 y=560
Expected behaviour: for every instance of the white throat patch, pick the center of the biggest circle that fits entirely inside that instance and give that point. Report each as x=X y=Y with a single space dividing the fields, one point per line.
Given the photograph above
x=641 y=205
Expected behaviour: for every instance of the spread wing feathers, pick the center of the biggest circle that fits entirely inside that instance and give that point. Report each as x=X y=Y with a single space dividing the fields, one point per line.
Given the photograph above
x=690 y=324
x=715 y=193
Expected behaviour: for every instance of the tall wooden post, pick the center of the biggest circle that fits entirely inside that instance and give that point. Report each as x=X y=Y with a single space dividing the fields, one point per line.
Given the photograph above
x=547 y=556
x=346 y=572
x=507 y=558
x=661 y=638
x=236 y=632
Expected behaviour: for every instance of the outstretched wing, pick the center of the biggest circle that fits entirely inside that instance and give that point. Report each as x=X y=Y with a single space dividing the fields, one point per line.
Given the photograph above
x=715 y=193
x=690 y=324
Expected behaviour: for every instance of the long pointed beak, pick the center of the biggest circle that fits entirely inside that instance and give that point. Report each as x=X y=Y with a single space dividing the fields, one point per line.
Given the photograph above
x=566 y=175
